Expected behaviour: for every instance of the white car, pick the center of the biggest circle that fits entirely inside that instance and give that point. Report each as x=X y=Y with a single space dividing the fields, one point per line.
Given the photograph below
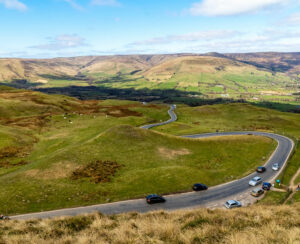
x=232 y=204
x=275 y=167
x=255 y=181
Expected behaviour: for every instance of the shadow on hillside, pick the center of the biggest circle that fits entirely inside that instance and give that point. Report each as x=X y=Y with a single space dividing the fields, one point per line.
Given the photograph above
x=21 y=84
x=147 y=95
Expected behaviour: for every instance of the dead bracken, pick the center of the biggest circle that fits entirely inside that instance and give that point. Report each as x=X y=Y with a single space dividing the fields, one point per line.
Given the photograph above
x=98 y=171
x=7 y=164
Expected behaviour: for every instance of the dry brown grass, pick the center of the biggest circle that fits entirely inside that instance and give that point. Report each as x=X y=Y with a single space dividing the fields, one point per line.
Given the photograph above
x=256 y=224
x=56 y=171
x=171 y=154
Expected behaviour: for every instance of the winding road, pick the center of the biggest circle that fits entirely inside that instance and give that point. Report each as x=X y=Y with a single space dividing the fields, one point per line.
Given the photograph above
x=214 y=196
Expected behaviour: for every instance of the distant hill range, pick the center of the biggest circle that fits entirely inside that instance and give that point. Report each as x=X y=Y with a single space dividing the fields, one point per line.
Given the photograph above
x=150 y=66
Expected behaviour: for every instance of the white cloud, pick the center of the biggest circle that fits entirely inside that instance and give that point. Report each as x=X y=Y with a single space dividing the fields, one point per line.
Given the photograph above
x=294 y=19
x=112 y=3
x=63 y=42
x=232 y=7
x=223 y=41
x=190 y=37
x=74 y=4
x=14 y=4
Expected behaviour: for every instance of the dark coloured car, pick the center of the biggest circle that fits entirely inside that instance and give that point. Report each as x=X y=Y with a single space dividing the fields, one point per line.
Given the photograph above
x=199 y=187
x=266 y=186
x=154 y=199
x=260 y=169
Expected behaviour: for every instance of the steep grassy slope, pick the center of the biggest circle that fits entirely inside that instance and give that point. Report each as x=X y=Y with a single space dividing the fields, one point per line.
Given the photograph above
x=43 y=70
x=256 y=224
x=278 y=62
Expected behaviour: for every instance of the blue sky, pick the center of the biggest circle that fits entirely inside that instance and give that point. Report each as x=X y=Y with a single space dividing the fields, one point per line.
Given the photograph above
x=56 y=28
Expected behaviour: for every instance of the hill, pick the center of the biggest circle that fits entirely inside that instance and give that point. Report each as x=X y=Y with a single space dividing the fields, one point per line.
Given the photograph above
x=57 y=151
x=256 y=224
x=277 y=62
x=253 y=76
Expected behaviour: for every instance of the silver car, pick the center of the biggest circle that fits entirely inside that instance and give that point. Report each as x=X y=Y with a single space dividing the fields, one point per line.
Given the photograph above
x=232 y=204
x=275 y=167
x=255 y=181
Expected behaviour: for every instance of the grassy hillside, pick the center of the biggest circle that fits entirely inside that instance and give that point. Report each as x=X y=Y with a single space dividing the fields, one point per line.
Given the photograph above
x=232 y=117
x=282 y=62
x=57 y=151
x=254 y=77
x=256 y=224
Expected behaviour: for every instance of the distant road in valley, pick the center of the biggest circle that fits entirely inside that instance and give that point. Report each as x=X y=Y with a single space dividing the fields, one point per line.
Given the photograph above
x=173 y=117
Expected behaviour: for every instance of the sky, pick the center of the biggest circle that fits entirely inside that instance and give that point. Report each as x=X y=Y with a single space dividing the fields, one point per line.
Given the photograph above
x=64 y=28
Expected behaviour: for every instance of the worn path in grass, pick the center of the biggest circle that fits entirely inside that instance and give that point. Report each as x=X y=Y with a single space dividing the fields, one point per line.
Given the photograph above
x=293 y=186
x=211 y=198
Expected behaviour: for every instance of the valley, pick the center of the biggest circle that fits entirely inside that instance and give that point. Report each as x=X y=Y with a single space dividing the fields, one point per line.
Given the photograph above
x=187 y=78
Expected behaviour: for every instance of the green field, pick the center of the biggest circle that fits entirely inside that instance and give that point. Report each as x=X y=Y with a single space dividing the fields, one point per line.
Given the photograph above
x=232 y=117
x=251 y=85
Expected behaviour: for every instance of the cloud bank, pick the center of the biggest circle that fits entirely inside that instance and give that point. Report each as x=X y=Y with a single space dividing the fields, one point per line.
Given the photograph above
x=14 y=4
x=231 y=7
x=62 y=42
x=111 y=3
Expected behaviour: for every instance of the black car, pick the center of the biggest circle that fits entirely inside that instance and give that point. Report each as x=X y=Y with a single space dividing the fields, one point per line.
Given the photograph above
x=260 y=169
x=154 y=199
x=199 y=187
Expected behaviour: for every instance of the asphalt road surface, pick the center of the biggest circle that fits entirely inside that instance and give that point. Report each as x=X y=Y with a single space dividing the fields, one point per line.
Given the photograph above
x=173 y=118
x=219 y=193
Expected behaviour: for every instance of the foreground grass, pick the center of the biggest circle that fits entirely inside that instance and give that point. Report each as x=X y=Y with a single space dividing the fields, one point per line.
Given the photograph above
x=256 y=224
x=274 y=197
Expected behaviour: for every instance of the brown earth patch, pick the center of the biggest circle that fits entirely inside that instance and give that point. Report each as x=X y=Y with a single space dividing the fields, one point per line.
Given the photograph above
x=97 y=172
x=13 y=151
x=32 y=122
x=7 y=164
x=57 y=171
x=172 y=153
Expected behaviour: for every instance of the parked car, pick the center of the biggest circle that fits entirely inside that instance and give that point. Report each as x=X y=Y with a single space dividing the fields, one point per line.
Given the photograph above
x=232 y=204
x=255 y=181
x=266 y=186
x=275 y=167
x=257 y=192
x=260 y=169
x=3 y=217
x=199 y=187
x=153 y=198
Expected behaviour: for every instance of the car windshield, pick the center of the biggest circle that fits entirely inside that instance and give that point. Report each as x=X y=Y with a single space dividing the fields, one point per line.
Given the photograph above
x=256 y=178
